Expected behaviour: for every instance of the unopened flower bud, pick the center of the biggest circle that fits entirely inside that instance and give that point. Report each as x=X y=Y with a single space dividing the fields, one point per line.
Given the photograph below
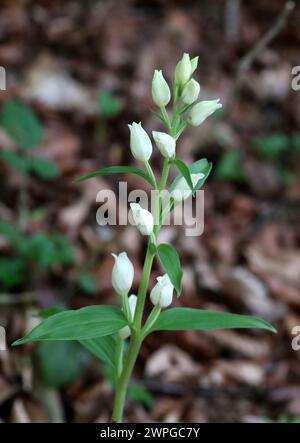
x=182 y=191
x=140 y=143
x=162 y=293
x=183 y=70
x=125 y=331
x=165 y=143
x=142 y=218
x=122 y=273
x=202 y=110
x=190 y=92
x=160 y=90
x=194 y=64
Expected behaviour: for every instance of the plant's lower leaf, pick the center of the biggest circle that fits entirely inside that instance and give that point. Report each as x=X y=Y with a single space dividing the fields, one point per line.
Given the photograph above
x=184 y=319
x=84 y=323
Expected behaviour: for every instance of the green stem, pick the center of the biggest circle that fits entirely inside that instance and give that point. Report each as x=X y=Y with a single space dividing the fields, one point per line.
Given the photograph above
x=142 y=292
x=165 y=117
x=122 y=383
x=162 y=185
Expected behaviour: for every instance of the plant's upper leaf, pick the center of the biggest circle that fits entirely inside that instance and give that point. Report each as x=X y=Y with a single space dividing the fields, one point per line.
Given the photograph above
x=171 y=264
x=184 y=319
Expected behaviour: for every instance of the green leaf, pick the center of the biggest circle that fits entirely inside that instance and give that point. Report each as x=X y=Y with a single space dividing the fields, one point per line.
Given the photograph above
x=140 y=394
x=116 y=170
x=87 y=283
x=185 y=319
x=171 y=264
x=295 y=142
x=84 y=323
x=182 y=167
x=21 y=124
x=44 y=168
x=63 y=248
x=41 y=250
x=16 y=161
x=13 y=235
x=230 y=167
x=202 y=166
x=103 y=348
x=60 y=363
x=272 y=145
x=109 y=105
x=12 y=272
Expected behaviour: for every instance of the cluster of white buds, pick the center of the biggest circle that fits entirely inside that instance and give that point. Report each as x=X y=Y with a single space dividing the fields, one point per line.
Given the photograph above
x=188 y=90
x=162 y=293
x=125 y=331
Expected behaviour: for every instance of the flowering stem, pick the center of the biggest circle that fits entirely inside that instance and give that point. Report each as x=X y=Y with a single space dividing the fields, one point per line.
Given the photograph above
x=137 y=333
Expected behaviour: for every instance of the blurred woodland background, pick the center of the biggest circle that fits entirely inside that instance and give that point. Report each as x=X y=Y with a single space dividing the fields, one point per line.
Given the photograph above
x=76 y=73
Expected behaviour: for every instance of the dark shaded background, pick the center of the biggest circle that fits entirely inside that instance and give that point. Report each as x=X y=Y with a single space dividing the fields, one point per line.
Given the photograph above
x=62 y=58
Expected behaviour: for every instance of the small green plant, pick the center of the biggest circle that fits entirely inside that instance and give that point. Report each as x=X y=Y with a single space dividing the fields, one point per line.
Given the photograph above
x=230 y=168
x=24 y=127
x=38 y=250
x=280 y=149
x=104 y=329
x=109 y=105
x=282 y=419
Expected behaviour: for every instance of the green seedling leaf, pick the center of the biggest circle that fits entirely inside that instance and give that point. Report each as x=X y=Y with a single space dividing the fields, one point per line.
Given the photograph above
x=117 y=170
x=171 y=264
x=185 y=319
x=44 y=168
x=87 y=283
x=12 y=272
x=109 y=105
x=60 y=363
x=140 y=394
x=229 y=167
x=21 y=124
x=81 y=324
x=272 y=145
x=16 y=161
